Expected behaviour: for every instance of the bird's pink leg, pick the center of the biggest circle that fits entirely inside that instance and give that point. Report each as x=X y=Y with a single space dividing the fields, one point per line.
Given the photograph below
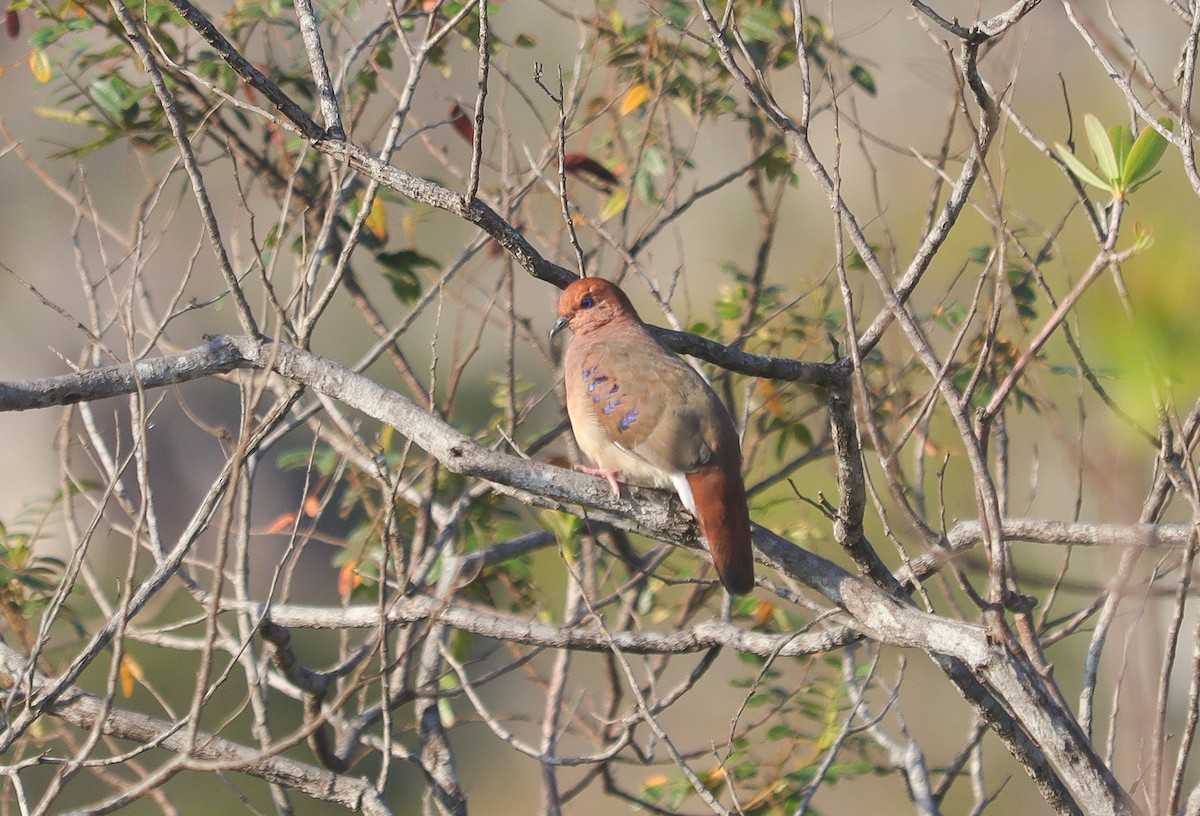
x=608 y=475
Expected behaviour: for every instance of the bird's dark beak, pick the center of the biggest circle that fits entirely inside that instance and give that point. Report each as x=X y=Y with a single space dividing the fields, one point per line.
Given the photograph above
x=559 y=325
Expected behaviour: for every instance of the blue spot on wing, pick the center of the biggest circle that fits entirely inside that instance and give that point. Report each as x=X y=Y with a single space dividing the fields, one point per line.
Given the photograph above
x=593 y=379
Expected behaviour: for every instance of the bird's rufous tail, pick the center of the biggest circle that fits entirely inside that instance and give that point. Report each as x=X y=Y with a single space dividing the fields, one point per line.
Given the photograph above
x=724 y=519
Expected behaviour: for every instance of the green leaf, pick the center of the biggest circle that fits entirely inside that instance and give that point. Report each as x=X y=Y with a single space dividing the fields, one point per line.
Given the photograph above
x=114 y=96
x=778 y=732
x=862 y=77
x=400 y=270
x=325 y=461
x=759 y=23
x=653 y=162
x=643 y=187
x=677 y=14
x=1085 y=174
x=777 y=163
x=1144 y=155
x=48 y=35
x=979 y=254
x=565 y=527
x=802 y=435
x=1122 y=140
x=1102 y=149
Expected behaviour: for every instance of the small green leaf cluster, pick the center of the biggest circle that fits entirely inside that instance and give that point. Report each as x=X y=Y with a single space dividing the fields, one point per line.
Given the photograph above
x=1123 y=163
x=653 y=62
x=28 y=578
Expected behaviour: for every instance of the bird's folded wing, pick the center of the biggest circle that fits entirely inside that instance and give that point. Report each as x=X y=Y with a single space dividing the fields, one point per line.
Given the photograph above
x=650 y=403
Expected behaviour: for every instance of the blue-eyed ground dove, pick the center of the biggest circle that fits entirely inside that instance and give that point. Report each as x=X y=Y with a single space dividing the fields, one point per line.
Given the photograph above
x=643 y=414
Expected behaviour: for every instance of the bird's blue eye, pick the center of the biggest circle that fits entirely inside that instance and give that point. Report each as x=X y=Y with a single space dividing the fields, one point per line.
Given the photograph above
x=587 y=302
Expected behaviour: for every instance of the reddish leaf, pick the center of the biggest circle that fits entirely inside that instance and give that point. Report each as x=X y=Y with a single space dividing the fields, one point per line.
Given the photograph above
x=274 y=135
x=462 y=123
x=577 y=164
x=12 y=23
x=281 y=523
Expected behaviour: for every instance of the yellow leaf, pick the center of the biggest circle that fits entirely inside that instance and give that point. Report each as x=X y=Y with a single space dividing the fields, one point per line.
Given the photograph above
x=39 y=63
x=763 y=613
x=377 y=220
x=348 y=577
x=126 y=682
x=773 y=401
x=64 y=116
x=130 y=671
x=713 y=779
x=634 y=98
x=615 y=205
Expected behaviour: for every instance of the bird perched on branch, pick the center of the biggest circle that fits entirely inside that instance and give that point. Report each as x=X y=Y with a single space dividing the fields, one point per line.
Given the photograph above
x=641 y=413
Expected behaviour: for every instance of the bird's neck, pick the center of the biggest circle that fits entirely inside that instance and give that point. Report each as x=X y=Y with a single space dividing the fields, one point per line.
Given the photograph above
x=620 y=326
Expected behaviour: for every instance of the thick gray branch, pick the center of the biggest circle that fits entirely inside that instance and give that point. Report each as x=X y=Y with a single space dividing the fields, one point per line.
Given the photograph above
x=1049 y=531
x=218 y=357
x=409 y=609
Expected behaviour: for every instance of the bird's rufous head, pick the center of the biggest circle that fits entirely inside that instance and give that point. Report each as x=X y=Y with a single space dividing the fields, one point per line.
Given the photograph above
x=589 y=303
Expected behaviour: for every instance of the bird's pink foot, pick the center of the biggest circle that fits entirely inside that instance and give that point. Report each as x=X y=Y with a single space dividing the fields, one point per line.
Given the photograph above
x=608 y=475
